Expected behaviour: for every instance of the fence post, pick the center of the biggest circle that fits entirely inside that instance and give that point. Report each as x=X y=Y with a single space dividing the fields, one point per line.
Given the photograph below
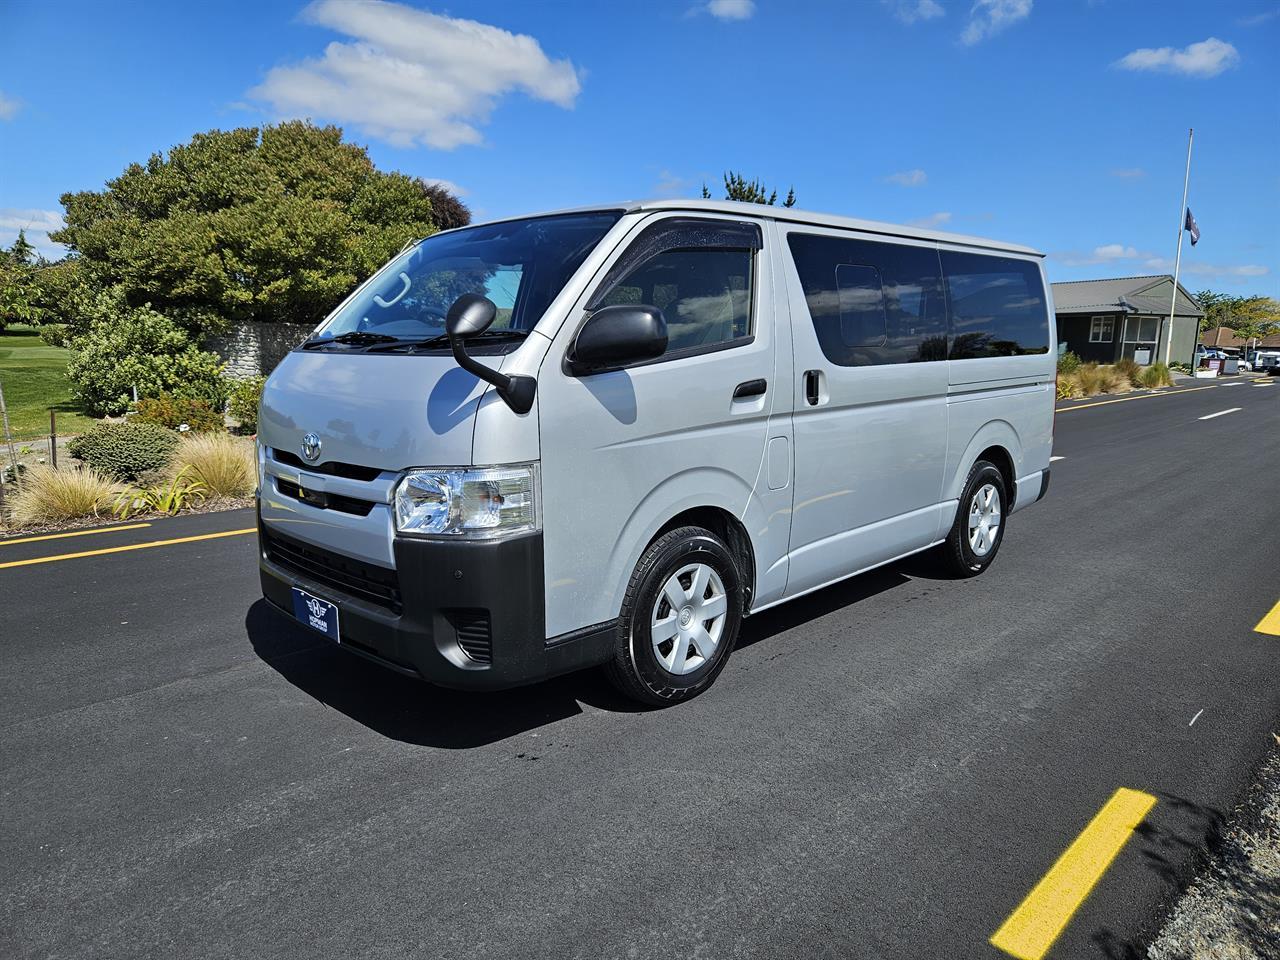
x=53 y=437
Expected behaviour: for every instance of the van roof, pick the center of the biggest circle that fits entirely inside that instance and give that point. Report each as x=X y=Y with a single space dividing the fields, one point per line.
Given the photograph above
x=792 y=215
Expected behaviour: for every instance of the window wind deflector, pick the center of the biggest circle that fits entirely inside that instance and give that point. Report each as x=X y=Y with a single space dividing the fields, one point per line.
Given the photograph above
x=355 y=338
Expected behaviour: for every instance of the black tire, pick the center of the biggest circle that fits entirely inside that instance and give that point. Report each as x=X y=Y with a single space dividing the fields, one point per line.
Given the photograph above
x=635 y=668
x=956 y=557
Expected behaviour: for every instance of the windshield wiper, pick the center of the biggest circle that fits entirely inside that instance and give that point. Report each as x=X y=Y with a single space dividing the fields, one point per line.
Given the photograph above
x=355 y=338
x=442 y=340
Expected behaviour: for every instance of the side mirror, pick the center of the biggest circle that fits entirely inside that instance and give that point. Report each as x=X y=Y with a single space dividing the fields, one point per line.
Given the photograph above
x=618 y=335
x=468 y=315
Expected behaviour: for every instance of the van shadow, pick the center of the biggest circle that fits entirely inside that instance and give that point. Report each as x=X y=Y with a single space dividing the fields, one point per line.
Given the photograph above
x=411 y=711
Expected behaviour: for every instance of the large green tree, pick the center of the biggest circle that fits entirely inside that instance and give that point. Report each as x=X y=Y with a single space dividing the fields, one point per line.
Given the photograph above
x=19 y=294
x=276 y=223
x=1249 y=317
x=738 y=187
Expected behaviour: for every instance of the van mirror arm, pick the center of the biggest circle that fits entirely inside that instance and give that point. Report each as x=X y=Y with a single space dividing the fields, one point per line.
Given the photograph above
x=471 y=314
x=517 y=392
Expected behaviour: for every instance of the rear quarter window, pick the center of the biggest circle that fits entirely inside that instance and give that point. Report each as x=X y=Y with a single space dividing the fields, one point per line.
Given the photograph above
x=997 y=306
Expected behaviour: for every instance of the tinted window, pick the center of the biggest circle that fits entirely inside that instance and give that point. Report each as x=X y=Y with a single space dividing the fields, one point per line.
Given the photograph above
x=704 y=295
x=698 y=273
x=870 y=302
x=997 y=306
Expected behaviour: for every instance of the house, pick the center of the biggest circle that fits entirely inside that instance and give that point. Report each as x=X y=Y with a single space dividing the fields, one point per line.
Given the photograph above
x=1224 y=338
x=1106 y=320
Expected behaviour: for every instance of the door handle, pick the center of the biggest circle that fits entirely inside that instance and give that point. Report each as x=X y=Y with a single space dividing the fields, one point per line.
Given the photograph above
x=750 y=388
x=811 y=388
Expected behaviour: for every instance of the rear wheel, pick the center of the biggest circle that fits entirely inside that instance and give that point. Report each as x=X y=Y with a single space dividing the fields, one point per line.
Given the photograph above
x=975 y=537
x=679 y=619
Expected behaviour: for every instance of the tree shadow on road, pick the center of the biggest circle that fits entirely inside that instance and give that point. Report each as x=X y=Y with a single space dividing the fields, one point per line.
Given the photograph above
x=1172 y=842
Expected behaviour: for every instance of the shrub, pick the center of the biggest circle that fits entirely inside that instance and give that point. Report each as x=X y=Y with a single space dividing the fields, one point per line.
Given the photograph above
x=1113 y=379
x=1067 y=387
x=49 y=496
x=222 y=463
x=1129 y=369
x=1068 y=362
x=124 y=348
x=242 y=403
x=54 y=334
x=126 y=450
x=172 y=412
x=1156 y=375
x=173 y=497
x=1179 y=366
x=1089 y=379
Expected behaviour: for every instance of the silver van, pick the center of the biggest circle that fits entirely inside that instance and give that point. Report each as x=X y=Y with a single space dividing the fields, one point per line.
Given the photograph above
x=604 y=436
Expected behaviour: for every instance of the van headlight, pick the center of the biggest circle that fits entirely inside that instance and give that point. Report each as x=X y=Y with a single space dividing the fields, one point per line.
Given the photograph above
x=479 y=503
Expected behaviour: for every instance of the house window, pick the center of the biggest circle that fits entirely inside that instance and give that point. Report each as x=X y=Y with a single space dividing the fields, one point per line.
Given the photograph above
x=1102 y=330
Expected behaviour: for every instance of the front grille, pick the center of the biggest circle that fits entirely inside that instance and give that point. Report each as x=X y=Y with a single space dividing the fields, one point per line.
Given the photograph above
x=324 y=501
x=474 y=636
x=355 y=578
x=351 y=471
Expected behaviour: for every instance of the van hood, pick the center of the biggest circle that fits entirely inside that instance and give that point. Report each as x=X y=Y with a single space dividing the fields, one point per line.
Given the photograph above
x=389 y=411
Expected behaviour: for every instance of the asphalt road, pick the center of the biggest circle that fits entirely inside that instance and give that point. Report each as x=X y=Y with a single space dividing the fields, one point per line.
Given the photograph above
x=884 y=769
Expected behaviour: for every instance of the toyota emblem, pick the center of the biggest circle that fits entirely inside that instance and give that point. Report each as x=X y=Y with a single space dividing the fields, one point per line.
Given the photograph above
x=311 y=448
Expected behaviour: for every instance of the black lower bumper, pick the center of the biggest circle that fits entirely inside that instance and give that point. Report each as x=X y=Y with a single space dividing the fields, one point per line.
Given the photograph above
x=467 y=615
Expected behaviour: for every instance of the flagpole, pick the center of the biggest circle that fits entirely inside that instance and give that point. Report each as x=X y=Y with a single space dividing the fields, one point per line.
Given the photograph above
x=1177 y=263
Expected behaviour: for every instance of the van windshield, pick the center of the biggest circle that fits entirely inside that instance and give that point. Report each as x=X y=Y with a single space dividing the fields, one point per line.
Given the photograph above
x=521 y=265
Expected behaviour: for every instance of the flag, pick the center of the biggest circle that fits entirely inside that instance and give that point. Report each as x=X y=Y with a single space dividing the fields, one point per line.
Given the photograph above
x=1192 y=227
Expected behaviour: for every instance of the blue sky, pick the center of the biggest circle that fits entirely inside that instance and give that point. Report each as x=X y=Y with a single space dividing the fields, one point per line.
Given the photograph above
x=1058 y=124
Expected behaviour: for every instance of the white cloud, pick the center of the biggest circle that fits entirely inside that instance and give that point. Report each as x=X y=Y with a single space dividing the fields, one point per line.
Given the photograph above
x=1259 y=18
x=1208 y=58
x=909 y=11
x=409 y=76
x=908 y=178
x=731 y=9
x=449 y=185
x=989 y=17
x=1195 y=268
x=1129 y=173
x=670 y=185
x=939 y=219
x=1132 y=259
x=37 y=225
x=8 y=107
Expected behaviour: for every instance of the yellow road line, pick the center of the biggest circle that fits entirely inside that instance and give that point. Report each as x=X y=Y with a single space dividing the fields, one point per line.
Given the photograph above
x=132 y=546
x=1145 y=396
x=1270 y=623
x=1043 y=915
x=74 y=533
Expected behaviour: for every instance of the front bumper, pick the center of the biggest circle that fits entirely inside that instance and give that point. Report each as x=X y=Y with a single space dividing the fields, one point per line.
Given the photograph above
x=467 y=615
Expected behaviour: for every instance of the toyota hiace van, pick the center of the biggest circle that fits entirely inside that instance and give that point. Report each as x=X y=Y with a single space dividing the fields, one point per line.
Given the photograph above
x=605 y=436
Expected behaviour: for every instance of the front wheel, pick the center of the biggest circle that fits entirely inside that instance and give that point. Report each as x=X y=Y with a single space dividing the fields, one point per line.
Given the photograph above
x=679 y=619
x=978 y=530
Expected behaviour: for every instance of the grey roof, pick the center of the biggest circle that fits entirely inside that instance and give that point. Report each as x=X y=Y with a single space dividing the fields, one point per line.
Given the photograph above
x=792 y=215
x=1147 y=295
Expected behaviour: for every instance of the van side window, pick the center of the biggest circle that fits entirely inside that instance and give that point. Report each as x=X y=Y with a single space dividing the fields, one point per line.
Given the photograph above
x=871 y=303
x=997 y=306
x=698 y=273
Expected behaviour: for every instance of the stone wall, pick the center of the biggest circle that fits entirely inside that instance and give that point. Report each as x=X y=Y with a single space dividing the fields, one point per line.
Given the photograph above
x=253 y=349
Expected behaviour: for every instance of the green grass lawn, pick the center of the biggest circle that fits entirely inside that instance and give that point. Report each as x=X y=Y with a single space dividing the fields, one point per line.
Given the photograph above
x=34 y=379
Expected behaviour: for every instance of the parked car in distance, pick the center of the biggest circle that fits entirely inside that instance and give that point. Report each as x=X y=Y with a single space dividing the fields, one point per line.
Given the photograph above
x=604 y=436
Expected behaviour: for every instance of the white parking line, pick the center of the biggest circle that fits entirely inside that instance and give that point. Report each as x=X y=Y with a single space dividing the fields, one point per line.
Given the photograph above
x=1222 y=413
x=1231 y=384
x=1196 y=717
x=1056 y=459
